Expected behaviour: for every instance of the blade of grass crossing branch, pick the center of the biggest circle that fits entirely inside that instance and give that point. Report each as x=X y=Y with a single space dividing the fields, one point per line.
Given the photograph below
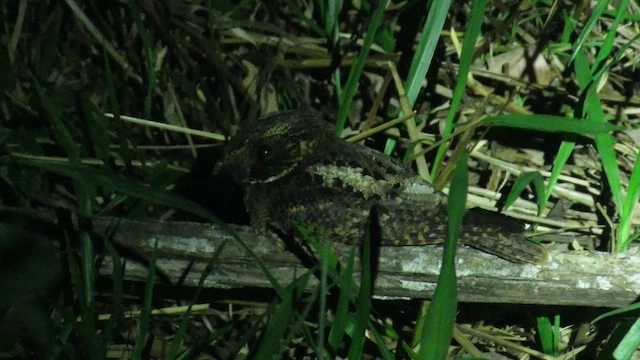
x=300 y=325
x=339 y=326
x=275 y=331
x=117 y=279
x=155 y=195
x=353 y=80
x=466 y=57
x=343 y=276
x=85 y=192
x=61 y=129
x=87 y=324
x=345 y=322
x=273 y=342
x=437 y=327
x=177 y=341
x=322 y=308
x=249 y=334
x=363 y=304
x=145 y=312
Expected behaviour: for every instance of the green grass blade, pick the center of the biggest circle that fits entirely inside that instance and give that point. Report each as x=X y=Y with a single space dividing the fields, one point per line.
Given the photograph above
x=117 y=297
x=83 y=193
x=339 y=326
x=549 y=335
x=556 y=334
x=630 y=342
x=145 y=311
x=276 y=329
x=607 y=44
x=633 y=194
x=299 y=325
x=353 y=80
x=332 y=20
x=293 y=7
x=342 y=320
x=87 y=327
x=476 y=16
x=521 y=183
x=87 y=257
x=426 y=48
x=604 y=144
x=180 y=335
x=616 y=58
x=60 y=129
x=545 y=332
x=49 y=58
x=321 y=351
x=156 y=195
x=623 y=310
x=120 y=129
x=564 y=152
x=202 y=345
x=438 y=325
x=97 y=128
x=61 y=340
x=363 y=304
x=332 y=30
x=148 y=56
x=250 y=333
x=380 y=341
x=552 y=123
x=596 y=13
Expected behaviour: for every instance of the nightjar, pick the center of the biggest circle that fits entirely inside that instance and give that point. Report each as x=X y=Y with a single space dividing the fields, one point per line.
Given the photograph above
x=295 y=170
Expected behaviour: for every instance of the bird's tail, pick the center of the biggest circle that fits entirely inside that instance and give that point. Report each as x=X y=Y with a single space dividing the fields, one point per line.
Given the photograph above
x=501 y=236
x=512 y=247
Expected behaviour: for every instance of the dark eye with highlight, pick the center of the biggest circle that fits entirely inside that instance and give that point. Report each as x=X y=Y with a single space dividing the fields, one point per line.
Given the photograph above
x=262 y=152
x=271 y=159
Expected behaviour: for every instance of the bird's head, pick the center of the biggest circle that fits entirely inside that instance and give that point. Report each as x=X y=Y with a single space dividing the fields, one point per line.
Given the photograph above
x=273 y=147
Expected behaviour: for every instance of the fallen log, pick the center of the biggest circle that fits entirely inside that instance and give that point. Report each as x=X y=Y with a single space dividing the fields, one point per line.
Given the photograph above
x=569 y=278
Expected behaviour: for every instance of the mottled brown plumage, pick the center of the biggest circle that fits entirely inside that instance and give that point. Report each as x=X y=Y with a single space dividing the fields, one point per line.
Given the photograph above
x=293 y=168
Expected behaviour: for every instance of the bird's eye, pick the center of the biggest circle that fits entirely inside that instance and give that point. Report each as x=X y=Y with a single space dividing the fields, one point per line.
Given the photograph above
x=262 y=152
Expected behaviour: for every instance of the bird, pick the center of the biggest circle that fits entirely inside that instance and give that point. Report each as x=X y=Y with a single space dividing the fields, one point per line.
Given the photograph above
x=295 y=172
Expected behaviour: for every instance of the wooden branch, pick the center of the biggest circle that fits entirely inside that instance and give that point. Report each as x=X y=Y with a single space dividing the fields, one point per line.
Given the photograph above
x=570 y=278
